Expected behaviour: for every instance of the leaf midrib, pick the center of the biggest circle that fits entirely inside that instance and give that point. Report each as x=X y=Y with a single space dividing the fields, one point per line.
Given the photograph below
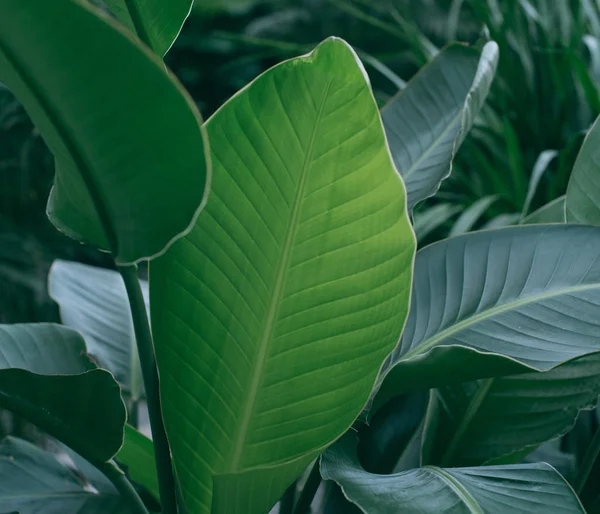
x=430 y=343
x=261 y=354
x=457 y=488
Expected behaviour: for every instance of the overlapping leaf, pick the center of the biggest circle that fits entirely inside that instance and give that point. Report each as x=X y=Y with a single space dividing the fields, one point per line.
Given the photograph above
x=137 y=454
x=272 y=317
x=497 y=302
x=552 y=212
x=131 y=168
x=428 y=120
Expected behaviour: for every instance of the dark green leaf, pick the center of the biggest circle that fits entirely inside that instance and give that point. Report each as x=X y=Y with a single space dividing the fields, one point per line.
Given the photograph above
x=137 y=454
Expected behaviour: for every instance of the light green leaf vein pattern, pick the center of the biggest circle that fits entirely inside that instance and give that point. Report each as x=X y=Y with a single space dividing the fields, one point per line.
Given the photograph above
x=520 y=489
x=527 y=297
x=273 y=316
x=156 y=21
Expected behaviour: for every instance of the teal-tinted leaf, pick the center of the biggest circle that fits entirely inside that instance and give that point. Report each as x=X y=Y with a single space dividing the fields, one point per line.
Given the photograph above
x=552 y=212
x=272 y=317
x=467 y=220
x=157 y=22
x=496 y=420
x=137 y=454
x=520 y=489
x=94 y=302
x=497 y=302
x=427 y=121
x=425 y=222
x=47 y=378
x=131 y=169
x=502 y=220
x=33 y=481
x=583 y=193
x=550 y=452
x=542 y=164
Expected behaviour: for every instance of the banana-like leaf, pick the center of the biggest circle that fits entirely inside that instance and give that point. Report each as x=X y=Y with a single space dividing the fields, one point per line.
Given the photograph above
x=47 y=378
x=498 y=420
x=94 y=302
x=137 y=454
x=583 y=192
x=429 y=119
x=131 y=168
x=498 y=302
x=34 y=481
x=520 y=489
x=156 y=22
x=273 y=316
x=552 y=212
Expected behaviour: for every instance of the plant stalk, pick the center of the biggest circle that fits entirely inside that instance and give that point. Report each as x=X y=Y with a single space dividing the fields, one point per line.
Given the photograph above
x=127 y=491
x=591 y=455
x=143 y=335
x=309 y=490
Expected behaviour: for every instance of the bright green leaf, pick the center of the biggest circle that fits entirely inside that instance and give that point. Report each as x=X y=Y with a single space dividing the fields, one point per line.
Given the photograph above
x=273 y=316
x=131 y=169
x=496 y=420
x=156 y=22
x=583 y=193
x=47 y=378
x=33 y=481
x=552 y=212
x=496 y=302
x=520 y=489
x=137 y=454
x=428 y=120
x=94 y=302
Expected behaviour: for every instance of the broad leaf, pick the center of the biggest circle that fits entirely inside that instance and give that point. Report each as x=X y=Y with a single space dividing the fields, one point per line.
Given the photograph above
x=520 y=489
x=552 y=212
x=583 y=192
x=47 y=378
x=131 y=169
x=496 y=302
x=273 y=316
x=33 y=481
x=428 y=120
x=157 y=22
x=137 y=454
x=497 y=420
x=94 y=302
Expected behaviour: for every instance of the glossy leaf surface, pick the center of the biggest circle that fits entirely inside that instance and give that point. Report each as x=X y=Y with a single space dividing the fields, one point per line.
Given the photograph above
x=273 y=316
x=131 y=169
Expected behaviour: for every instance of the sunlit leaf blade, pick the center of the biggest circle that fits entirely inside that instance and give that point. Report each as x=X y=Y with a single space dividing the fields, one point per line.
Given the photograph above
x=94 y=302
x=552 y=212
x=157 y=22
x=496 y=302
x=497 y=420
x=583 y=192
x=428 y=120
x=47 y=378
x=137 y=454
x=519 y=489
x=131 y=169
x=33 y=481
x=272 y=317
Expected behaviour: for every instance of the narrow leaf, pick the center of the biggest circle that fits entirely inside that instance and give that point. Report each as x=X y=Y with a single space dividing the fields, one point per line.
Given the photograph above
x=131 y=171
x=137 y=454
x=273 y=316
x=425 y=222
x=542 y=164
x=467 y=220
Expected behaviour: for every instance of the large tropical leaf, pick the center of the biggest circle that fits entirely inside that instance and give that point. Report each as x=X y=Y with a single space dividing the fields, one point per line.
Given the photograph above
x=520 y=489
x=272 y=317
x=47 y=378
x=33 y=481
x=497 y=302
x=156 y=22
x=498 y=420
x=131 y=169
x=428 y=120
x=94 y=302
x=583 y=192
x=552 y=212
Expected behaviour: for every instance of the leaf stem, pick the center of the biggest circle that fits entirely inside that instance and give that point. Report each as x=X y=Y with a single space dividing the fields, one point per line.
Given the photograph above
x=591 y=455
x=127 y=491
x=309 y=490
x=143 y=335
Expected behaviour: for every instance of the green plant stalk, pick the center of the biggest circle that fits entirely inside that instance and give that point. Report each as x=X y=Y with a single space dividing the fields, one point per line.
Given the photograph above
x=143 y=335
x=127 y=491
x=591 y=455
x=309 y=490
